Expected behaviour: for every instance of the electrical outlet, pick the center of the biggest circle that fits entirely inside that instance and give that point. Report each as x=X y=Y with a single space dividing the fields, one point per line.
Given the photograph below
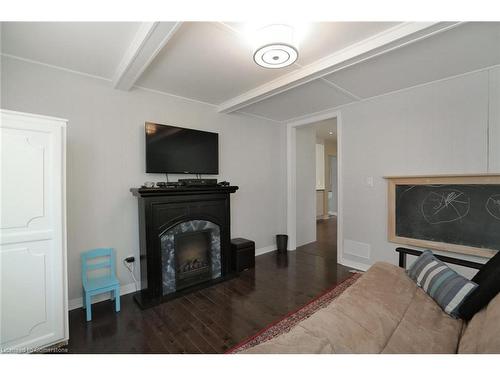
x=130 y=259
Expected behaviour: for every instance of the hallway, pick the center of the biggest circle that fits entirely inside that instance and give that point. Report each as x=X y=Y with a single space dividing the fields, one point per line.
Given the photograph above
x=326 y=240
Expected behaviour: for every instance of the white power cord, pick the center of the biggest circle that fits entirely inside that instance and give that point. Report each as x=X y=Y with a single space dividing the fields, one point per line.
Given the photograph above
x=131 y=269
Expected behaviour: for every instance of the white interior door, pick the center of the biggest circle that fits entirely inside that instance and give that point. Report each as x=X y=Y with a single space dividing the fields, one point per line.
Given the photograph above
x=32 y=239
x=332 y=197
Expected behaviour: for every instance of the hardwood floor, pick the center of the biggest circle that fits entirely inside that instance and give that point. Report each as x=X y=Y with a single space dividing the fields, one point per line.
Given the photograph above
x=216 y=318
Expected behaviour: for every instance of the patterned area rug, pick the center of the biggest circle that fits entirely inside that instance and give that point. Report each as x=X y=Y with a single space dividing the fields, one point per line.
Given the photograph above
x=290 y=320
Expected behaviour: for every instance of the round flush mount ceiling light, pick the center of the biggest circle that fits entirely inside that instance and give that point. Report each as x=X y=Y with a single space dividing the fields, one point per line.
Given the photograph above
x=275 y=56
x=275 y=46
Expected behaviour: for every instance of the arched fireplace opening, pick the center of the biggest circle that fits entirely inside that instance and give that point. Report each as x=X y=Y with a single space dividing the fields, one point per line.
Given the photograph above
x=191 y=254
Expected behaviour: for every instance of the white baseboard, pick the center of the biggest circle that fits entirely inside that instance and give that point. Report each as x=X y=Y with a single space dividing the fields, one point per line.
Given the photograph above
x=356 y=265
x=264 y=250
x=130 y=288
x=78 y=302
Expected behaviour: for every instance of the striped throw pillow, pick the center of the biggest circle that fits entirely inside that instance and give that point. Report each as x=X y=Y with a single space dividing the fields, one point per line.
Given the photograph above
x=444 y=285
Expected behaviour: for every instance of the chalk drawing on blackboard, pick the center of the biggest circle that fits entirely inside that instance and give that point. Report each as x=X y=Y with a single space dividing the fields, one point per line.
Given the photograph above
x=445 y=206
x=400 y=196
x=409 y=188
x=493 y=206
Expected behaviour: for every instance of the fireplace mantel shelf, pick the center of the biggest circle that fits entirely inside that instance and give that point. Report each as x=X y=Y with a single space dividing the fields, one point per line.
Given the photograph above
x=182 y=190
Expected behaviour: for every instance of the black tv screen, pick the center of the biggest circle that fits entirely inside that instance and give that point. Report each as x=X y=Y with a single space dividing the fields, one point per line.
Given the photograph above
x=170 y=149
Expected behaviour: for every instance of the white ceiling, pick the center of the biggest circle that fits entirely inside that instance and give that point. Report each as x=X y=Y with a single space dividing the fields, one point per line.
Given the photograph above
x=324 y=38
x=212 y=62
x=339 y=62
x=89 y=47
x=309 y=98
x=207 y=62
x=466 y=48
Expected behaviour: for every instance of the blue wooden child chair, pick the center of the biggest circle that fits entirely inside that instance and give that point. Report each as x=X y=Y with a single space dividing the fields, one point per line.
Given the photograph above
x=105 y=282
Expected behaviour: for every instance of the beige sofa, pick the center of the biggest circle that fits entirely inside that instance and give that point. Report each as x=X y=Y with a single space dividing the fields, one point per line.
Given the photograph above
x=385 y=312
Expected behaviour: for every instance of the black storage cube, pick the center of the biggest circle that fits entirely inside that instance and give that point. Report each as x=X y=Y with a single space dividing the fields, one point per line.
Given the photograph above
x=243 y=254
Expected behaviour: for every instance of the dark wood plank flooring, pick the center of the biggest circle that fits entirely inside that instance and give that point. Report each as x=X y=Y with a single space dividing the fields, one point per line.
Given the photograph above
x=216 y=318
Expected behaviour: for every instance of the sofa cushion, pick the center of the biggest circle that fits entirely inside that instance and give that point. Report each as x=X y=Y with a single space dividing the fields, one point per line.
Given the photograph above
x=438 y=280
x=298 y=340
x=360 y=320
x=383 y=311
x=482 y=332
x=425 y=328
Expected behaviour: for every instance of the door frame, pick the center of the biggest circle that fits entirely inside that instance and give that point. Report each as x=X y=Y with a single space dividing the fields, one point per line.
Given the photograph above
x=291 y=181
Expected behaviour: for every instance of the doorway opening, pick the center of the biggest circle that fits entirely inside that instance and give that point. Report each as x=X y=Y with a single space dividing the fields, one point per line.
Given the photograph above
x=314 y=207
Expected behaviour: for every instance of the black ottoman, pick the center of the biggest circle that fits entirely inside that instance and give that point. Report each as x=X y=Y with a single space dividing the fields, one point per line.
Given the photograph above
x=243 y=256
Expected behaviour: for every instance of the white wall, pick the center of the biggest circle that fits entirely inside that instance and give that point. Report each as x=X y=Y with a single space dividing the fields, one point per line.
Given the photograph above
x=306 y=185
x=443 y=127
x=106 y=157
x=494 y=120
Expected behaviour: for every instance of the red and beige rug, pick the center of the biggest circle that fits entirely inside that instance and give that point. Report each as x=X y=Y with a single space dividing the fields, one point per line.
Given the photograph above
x=290 y=320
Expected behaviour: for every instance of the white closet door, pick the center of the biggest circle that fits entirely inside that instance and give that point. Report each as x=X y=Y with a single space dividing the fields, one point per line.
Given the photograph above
x=32 y=232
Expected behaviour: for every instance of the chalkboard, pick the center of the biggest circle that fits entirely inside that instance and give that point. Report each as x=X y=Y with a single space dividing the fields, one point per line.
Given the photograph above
x=457 y=216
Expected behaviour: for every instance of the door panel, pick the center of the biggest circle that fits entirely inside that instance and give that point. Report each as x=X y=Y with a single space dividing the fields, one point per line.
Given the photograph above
x=23 y=291
x=31 y=233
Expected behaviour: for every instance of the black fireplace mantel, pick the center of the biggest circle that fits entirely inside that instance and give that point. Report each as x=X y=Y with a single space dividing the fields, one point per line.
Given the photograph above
x=181 y=190
x=163 y=208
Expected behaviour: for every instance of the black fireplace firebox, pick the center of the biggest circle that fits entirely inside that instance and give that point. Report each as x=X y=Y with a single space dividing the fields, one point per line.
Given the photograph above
x=192 y=258
x=184 y=240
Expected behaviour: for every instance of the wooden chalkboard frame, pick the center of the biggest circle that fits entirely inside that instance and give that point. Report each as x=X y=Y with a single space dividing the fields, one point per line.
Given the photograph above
x=393 y=181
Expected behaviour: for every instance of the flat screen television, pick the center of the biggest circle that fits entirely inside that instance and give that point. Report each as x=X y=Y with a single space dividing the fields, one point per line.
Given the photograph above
x=170 y=149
